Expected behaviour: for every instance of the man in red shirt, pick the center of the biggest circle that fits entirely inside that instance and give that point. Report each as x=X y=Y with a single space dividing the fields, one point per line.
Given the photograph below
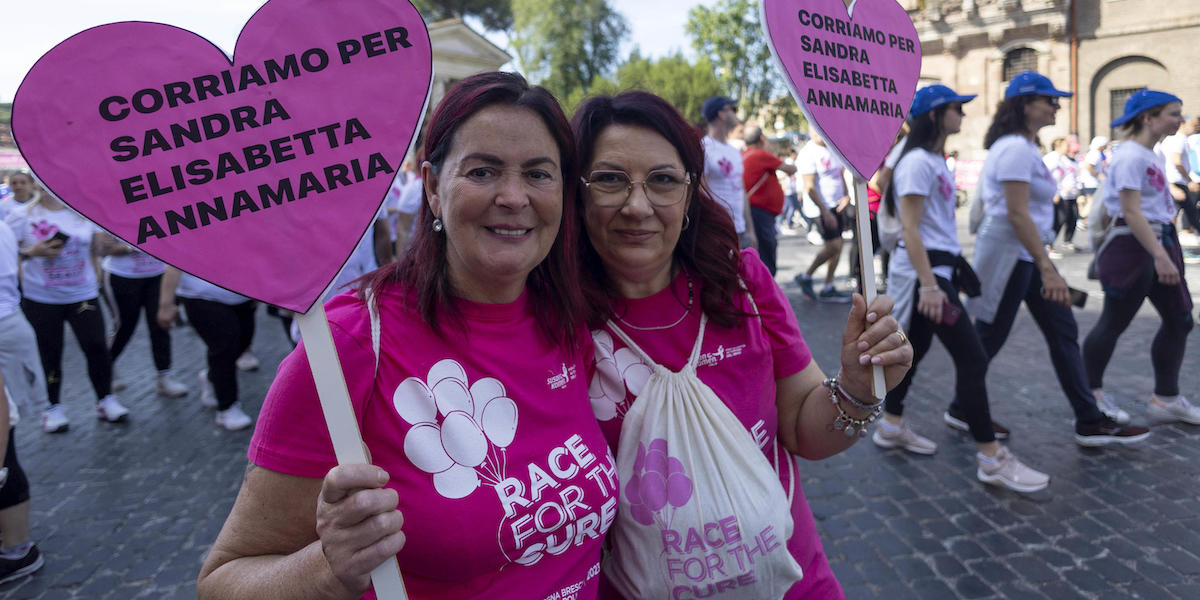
x=763 y=190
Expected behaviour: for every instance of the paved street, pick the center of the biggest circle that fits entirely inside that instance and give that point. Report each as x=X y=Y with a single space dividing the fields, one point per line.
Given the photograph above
x=129 y=510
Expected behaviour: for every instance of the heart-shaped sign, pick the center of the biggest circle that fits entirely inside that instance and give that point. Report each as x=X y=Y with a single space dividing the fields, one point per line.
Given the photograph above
x=852 y=70
x=258 y=174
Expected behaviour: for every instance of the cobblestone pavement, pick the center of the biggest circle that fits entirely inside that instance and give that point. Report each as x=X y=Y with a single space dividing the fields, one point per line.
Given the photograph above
x=129 y=510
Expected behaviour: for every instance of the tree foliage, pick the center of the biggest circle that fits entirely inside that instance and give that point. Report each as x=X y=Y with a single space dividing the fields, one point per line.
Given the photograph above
x=729 y=34
x=566 y=45
x=495 y=15
x=682 y=83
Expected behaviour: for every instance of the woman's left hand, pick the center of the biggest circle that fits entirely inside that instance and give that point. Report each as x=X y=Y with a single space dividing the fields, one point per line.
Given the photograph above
x=873 y=338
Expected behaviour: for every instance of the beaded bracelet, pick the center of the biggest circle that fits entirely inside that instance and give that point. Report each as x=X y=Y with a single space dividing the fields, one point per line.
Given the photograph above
x=845 y=422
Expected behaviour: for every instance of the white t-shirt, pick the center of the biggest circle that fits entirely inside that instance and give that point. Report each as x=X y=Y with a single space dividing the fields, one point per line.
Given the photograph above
x=1174 y=144
x=1098 y=162
x=70 y=277
x=136 y=265
x=10 y=295
x=923 y=173
x=1193 y=143
x=1065 y=171
x=723 y=172
x=7 y=205
x=815 y=159
x=1136 y=167
x=893 y=156
x=1016 y=158
x=193 y=287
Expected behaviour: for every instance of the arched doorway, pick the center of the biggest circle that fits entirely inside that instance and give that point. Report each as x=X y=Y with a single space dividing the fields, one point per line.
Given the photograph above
x=1113 y=84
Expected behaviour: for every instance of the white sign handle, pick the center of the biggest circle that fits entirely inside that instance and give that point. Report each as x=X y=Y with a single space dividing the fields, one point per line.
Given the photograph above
x=866 y=261
x=343 y=427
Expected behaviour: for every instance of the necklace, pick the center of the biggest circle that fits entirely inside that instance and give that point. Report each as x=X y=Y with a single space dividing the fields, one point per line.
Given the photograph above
x=691 y=299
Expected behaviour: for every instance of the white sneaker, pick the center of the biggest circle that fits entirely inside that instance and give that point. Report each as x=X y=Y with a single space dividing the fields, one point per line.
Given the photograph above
x=1179 y=410
x=110 y=409
x=1004 y=469
x=247 y=362
x=234 y=418
x=170 y=387
x=208 y=398
x=1108 y=405
x=54 y=419
x=902 y=437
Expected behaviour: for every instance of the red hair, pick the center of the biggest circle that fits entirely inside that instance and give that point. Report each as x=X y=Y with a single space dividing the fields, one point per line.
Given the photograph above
x=707 y=248
x=552 y=285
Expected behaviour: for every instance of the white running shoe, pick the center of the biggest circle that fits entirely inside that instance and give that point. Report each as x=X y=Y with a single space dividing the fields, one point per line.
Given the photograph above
x=1108 y=405
x=234 y=418
x=902 y=437
x=170 y=387
x=1004 y=469
x=110 y=409
x=208 y=398
x=1179 y=410
x=54 y=419
x=247 y=362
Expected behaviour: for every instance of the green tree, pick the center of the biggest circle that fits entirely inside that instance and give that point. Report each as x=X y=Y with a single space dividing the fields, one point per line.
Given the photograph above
x=565 y=45
x=730 y=35
x=495 y=15
x=682 y=83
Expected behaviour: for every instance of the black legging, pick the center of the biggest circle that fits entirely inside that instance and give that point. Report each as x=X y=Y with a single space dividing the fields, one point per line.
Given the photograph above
x=88 y=325
x=970 y=364
x=1166 y=351
x=1066 y=217
x=227 y=330
x=1191 y=211
x=132 y=296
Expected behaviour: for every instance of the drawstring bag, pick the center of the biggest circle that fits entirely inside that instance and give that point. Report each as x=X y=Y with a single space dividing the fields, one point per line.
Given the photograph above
x=701 y=513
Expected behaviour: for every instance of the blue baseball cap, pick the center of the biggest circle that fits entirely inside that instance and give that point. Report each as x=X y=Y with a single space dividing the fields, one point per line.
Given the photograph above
x=1141 y=100
x=933 y=96
x=1029 y=83
x=713 y=105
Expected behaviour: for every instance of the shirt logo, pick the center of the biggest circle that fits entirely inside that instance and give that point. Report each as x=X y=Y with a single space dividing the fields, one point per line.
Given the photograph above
x=709 y=359
x=561 y=379
x=726 y=166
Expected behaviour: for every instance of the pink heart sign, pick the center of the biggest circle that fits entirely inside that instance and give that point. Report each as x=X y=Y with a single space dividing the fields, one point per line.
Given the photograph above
x=852 y=70
x=259 y=174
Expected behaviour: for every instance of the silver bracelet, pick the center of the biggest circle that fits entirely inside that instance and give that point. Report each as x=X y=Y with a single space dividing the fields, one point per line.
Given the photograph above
x=845 y=422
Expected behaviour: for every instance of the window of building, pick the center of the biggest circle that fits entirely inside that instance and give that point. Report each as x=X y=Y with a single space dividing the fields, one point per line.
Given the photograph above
x=1116 y=105
x=1019 y=60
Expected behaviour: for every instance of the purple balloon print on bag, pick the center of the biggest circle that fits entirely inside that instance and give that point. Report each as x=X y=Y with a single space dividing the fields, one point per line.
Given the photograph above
x=658 y=482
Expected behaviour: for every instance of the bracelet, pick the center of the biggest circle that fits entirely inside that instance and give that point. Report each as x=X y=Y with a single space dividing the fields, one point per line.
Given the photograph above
x=845 y=422
x=930 y=288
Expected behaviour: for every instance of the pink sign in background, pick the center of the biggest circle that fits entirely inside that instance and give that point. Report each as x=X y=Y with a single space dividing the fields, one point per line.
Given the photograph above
x=259 y=175
x=852 y=70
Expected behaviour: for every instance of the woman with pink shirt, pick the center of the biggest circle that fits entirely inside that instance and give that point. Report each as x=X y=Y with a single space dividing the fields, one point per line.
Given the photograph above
x=465 y=365
x=659 y=252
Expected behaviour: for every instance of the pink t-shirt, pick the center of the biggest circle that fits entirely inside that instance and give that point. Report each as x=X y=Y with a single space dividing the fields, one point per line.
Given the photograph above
x=506 y=483
x=739 y=364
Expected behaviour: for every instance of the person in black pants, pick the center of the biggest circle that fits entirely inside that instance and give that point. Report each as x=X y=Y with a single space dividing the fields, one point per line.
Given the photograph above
x=225 y=321
x=131 y=281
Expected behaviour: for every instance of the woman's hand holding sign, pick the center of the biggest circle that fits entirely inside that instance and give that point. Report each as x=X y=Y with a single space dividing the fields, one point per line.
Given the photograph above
x=358 y=524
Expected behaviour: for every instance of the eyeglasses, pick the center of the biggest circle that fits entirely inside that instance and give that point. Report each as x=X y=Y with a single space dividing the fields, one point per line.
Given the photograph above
x=613 y=188
x=1051 y=100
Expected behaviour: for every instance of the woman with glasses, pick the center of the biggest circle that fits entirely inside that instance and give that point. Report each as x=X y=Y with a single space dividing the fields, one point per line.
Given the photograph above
x=1141 y=257
x=1013 y=265
x=927 y=272
x=659 y=253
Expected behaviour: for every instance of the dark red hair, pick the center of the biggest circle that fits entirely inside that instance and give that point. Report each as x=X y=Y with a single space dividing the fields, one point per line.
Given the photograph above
x=552 y=286
x=707 y=248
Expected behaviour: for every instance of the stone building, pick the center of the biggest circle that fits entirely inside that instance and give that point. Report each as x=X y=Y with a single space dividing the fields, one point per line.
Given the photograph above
x=1102 y=50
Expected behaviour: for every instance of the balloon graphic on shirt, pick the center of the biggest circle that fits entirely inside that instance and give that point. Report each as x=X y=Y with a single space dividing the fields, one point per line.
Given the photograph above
x=463 y=440
x=423 y=446
x=606 y=390
x=456 y=482
x=482 y=392
x=414 y=402
x=452 y=395
x=500 y=421
x=634 y=372
x=458 y=449
x=447 y=368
